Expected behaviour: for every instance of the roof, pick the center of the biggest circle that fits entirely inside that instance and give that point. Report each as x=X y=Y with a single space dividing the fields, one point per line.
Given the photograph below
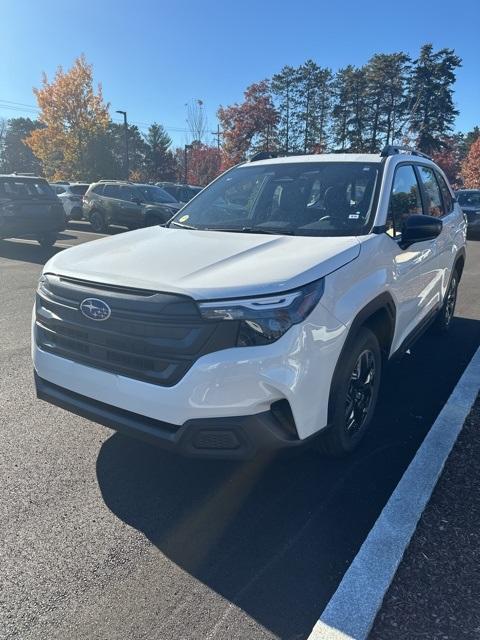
x=23 y=177
x=323 y=157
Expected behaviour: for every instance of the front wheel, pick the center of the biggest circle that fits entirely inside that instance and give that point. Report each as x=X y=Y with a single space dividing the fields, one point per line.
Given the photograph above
x=354 y=394
x=48 y=240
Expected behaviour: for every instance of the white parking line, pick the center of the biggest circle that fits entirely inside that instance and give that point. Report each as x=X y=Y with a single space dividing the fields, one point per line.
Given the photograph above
x=352 y=609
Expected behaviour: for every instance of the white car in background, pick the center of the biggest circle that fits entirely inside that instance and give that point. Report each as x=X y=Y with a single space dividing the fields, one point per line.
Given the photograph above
x=71 y=196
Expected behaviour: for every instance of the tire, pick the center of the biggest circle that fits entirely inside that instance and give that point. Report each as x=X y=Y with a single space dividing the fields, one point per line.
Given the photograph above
x=353 y=403
x=97 y=220
x=444 y=319
x=48 y=240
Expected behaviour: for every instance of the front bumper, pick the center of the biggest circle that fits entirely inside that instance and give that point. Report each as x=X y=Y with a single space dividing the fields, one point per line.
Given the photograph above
x=235 y=438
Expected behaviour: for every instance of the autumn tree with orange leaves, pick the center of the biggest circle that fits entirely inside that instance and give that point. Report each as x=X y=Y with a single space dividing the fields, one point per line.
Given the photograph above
x=471 y=167
x=75 y=117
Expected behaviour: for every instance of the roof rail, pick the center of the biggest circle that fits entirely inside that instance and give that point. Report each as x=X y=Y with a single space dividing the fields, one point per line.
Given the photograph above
x=114 y=180
x=392 y=150
x=263 y=155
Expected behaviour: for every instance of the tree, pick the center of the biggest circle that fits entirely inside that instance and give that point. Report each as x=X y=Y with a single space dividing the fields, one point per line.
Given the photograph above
x=449 y=158
x=284 y=86
x=160 y=162
x=312 y=104
x=386 y=76
x=350 y=111
x=204 y=164
x=432 y=111
x=251 y=125
x=471 y=167
x=73 y=115
x=15 y=154
x=196 y=120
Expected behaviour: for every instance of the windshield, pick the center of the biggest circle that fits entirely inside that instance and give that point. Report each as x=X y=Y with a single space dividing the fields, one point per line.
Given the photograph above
x=156 y=194
x=17 y=189
x=314 y=198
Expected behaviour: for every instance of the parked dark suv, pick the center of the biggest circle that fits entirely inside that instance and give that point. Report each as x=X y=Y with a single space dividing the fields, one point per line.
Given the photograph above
x=183 y=193
x=127 y=204
x=469 y=200
x=29 y=208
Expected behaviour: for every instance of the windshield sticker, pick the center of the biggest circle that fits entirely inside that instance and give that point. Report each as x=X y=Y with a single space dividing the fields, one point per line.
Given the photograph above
x=183 y=218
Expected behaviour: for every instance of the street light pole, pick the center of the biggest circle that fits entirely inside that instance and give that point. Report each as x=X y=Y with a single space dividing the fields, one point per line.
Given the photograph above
x=125 y=125
x=185 y=161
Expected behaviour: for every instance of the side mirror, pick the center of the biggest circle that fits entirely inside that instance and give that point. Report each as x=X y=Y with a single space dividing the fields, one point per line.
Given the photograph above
x=418 y=228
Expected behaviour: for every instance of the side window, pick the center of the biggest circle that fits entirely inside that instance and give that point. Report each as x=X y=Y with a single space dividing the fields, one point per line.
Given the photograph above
x=127 y=193
x=447 y=196
x=404 y=200
x=59 y=190
x=98 y=189
x=111 y=191
x=433 y=205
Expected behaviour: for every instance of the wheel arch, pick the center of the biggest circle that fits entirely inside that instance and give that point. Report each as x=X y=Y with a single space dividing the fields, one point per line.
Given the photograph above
x=378 y=315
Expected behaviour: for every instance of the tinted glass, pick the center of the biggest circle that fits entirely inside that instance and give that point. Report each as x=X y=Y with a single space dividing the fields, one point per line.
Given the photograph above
x=469 y=199
x=17 y=188
x=98 y=189
x=447 y=196
x=58 y=189
x=308 y=198
x=155 y=194
x=78 y=189
x=111 y=191
x=128 y=193
x=404 y=200
x=434 y=204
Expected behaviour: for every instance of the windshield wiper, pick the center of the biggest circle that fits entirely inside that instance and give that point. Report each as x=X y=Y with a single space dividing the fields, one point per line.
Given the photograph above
x=182 y=226
x=264 y=230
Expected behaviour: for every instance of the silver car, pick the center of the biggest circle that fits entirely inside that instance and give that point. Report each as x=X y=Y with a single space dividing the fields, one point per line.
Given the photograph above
x=71 y=196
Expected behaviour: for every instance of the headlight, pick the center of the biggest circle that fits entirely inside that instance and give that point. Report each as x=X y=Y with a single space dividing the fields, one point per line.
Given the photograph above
x=265 y=319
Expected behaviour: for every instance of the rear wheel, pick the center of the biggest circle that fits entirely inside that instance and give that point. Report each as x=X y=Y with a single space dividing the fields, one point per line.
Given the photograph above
x=445 y=316
x=47 y=240
x=98 y=222
x=354 y=396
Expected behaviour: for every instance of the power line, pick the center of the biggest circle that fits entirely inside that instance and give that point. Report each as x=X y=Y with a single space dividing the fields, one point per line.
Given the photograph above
x=28 y=108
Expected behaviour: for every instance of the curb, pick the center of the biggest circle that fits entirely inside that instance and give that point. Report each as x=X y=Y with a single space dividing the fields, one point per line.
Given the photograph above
x=350 y=613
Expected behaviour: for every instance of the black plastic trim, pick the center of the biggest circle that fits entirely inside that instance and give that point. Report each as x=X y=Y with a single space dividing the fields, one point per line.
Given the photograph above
x=242 y=436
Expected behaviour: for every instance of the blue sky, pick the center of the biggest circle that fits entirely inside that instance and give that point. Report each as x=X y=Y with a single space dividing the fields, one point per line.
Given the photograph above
x=153 y=57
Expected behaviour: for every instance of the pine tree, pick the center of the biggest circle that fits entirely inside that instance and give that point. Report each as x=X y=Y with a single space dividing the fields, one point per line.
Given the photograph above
x=432 y=111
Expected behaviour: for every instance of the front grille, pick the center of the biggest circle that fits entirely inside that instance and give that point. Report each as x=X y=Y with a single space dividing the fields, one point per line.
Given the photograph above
x=149 y=336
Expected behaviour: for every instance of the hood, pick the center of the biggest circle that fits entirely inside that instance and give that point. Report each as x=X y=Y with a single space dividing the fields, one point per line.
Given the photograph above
x=205 y=264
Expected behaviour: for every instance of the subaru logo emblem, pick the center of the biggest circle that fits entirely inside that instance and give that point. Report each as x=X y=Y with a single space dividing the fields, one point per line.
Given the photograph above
x=95 y=309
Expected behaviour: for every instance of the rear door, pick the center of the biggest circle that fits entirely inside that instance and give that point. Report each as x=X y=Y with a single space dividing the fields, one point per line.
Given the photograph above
x=439 y=203
x=112 y=203
x=130 y=206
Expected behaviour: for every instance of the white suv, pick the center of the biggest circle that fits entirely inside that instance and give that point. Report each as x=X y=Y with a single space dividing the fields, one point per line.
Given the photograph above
x=260 y=317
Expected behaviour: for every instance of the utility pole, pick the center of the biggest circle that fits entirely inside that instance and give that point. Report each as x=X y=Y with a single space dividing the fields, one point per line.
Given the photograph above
x=125 y=125
x=217 y=134
x=185 y=161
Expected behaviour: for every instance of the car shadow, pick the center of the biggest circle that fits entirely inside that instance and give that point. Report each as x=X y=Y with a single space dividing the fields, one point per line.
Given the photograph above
x=27 y=251
x=274 y=536
x=84 y=226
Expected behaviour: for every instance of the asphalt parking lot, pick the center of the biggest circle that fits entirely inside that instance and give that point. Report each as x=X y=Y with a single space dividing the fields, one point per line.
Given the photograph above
x=104 y=537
